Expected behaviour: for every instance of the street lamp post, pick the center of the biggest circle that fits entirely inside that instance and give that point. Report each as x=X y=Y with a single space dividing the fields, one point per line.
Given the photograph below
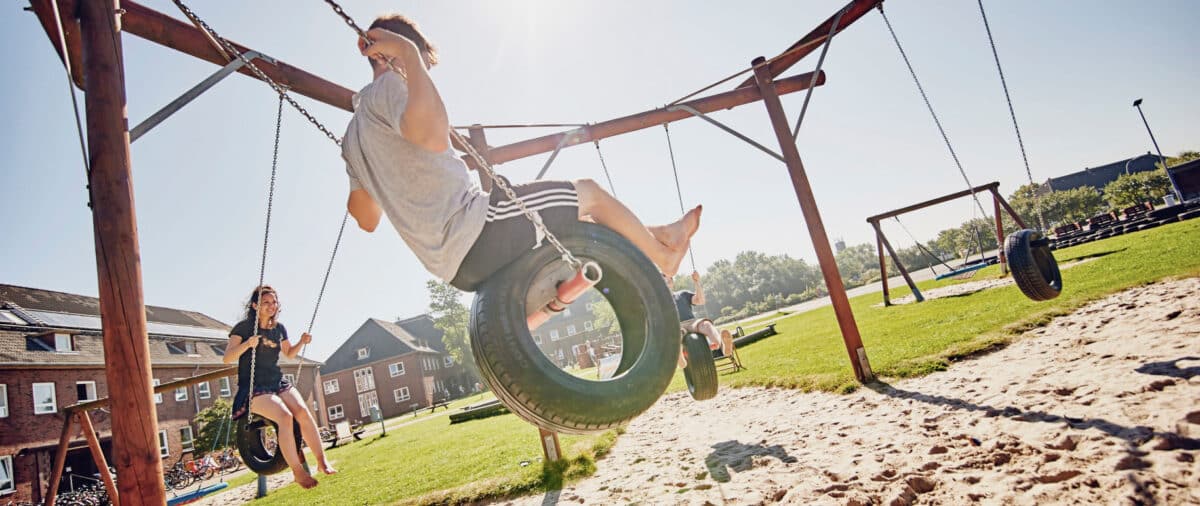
x=1174 y=189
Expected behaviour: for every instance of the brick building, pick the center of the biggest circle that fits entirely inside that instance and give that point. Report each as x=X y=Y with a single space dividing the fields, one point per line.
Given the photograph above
x=395 y=366
x=562 y=338
x=52 y=356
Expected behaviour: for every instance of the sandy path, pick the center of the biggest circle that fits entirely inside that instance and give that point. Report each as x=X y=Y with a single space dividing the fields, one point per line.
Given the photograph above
x=1102 y=406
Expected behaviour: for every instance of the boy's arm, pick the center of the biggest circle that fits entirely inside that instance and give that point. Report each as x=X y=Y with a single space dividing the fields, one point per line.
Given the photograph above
x=425 y=122
x=364 y=209
x=698 y=298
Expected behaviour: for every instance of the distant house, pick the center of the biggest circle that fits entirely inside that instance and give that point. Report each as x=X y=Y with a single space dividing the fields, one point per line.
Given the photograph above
x=395 y=366
x=562 y=338
x=52 y=356
x=1099 y=177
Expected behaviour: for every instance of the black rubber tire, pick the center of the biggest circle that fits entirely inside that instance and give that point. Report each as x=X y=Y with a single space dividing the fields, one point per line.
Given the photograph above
x=701 y=371
x=254 y=454
x=530 y=385
x=1033 y=265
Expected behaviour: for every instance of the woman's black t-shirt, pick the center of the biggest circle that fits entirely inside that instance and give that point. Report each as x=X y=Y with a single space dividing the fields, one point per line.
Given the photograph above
x=266 y=362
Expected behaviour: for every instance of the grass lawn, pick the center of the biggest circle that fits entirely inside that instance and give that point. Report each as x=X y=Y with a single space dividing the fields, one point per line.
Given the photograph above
x=430 y=461
x=915 y=339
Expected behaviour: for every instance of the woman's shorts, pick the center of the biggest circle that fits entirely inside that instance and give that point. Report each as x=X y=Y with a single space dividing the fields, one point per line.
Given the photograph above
x=240 y=404
x=507 y=234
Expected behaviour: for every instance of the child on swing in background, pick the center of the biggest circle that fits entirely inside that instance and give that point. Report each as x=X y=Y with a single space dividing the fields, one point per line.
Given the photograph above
x=400 y=162
x=684 y=300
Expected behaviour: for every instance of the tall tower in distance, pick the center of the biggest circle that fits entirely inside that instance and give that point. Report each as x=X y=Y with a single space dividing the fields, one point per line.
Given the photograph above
x=839 y=244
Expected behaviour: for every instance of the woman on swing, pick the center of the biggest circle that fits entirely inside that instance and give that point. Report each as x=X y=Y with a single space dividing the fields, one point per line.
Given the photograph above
x=273 y=397
x=399 y=161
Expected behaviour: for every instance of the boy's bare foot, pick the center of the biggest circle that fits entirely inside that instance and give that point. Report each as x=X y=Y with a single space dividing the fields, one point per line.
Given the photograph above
x=326 y=469
x=726 y=342
x=305 y=480
x=677 y=234
x=669 y=265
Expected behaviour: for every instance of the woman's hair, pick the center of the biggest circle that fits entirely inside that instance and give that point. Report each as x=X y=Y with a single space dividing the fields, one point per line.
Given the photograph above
x=251 y=313
x=405 y=26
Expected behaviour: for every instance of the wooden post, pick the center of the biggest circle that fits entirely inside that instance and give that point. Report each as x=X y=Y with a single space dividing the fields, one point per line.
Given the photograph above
x=118 y=259
x=550 y=448
x=999 y=233
x=60 y=459
x=883 y=277
x=1016 y=217
x=912 y=285
x=89 y=433
x=816 y=229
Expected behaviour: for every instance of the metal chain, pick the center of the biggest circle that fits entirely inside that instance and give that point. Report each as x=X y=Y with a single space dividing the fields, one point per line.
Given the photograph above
x=262 y=269
x=928 y=105
x=611 y=188
x=678 y=191
x=1012 y=113
x=321 y=294
x=479 y=160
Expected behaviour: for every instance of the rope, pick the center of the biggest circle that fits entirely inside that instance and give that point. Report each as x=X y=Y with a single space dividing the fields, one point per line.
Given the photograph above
x=928 y=105
x=1012 y=113
x=599 y=153
x=678 y=191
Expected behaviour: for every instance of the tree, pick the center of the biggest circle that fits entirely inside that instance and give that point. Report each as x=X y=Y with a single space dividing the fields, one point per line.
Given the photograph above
x=215 y=425
x=450 y=315
x=1130 y=189
x=1076 y=204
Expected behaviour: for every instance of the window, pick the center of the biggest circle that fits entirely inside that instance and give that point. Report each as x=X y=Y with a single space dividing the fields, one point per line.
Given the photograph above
x=335 y=412
x=553 y=334
x=163 y=450
x=3 y=409
x=291 y=378
x=85 y=390
x=448 y=361
x=570 y=330
x=363 y=353
x=332 y=387
x=183 y=348
x=566 y=313
x=157 y=396
x=401 y=394
x=44 y=400
x=63 y=343
x=366 y=402
x=180 y=393
x=537 y=338
x=202 y=391
x=7 y=482
x=364 y=380
x=396 y=369
x=219 y=349
x=591 y=306
x=7 y=316
x=185 y=438
x=223 y=384
x=587 y=325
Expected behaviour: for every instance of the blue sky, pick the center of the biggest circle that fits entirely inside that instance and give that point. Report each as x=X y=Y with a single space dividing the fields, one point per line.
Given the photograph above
x=200 y=179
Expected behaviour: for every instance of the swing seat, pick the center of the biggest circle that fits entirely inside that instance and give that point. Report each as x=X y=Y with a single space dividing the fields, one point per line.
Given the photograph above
x=532 y=386
x=1033 y=265
x=961 y=270
x=254 y=448
x=701 y=371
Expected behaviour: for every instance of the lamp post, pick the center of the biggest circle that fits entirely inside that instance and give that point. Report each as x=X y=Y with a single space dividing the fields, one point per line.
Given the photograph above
x=1175 y=190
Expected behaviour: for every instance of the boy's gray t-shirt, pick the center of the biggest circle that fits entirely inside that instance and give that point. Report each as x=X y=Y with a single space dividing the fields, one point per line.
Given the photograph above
x=430 y=198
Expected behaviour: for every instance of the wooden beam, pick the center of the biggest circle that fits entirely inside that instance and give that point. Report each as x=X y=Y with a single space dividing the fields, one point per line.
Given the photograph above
x=809 y=43
x=44 y=10
x=60 y=459
x=118 y=258
x=165 y=387
x=89 y=433
x=992 y=186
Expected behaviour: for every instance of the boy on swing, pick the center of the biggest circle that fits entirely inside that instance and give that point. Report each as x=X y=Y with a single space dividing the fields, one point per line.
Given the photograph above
x=689 y=323
x=400 y=162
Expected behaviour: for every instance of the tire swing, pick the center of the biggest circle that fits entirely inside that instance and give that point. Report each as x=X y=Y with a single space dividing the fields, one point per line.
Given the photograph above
x=258 y=445
x=529 y=290
x=701 y=371
x=1033 y=265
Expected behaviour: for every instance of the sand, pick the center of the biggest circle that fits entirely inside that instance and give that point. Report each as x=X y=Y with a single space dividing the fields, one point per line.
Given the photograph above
x=1101 y=406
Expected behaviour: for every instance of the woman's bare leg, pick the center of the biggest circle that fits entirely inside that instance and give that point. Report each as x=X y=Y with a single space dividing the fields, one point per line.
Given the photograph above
x=272 y=408
x=308 y=428
x=666 y=245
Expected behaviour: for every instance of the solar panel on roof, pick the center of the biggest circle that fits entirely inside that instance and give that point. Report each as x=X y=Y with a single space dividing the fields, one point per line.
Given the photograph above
x=89 y=322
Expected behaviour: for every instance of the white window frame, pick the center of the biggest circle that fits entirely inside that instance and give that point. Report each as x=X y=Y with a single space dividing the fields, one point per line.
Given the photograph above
x=181 y=393
x=291 y=378
x=396 y=369
x=3 y=400
x=203 y=391
x=336 y=387
x=6 y=468
x=571 y=330
x=365 y=385
x=53 y=399
x=587 y=325
x=372 y=399
x=401 y=394
x=189 y=443
x=566 y=313
x=554 y=334
x=157 y=395
x=64 y=340
x=537 y=339
x=164 y=447
x=91 y=391
x=223 y=386
x=364 y=353
x=336 y=412
x=447 y=361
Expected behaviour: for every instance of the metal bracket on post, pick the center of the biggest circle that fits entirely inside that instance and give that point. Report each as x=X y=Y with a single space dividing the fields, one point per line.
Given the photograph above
x=195 y=91
x=550 y=446
x=690 y=110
